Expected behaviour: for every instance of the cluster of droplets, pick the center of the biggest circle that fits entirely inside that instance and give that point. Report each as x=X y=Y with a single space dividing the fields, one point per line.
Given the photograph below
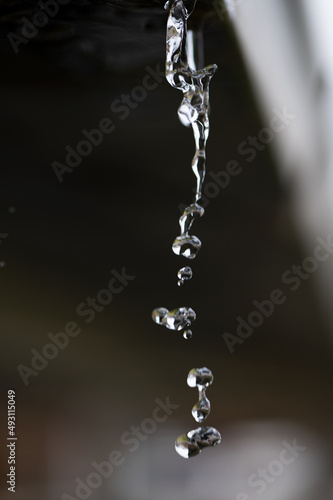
x=190 y=444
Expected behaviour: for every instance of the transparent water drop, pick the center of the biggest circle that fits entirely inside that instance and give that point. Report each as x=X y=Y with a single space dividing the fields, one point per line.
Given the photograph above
x=2 y=264
x=200 y=377
x=187 y=246
x=185 y=273
x=201 y=409
x=158 y=314
x=11 y=210
x=192 y=212
x=191 y=444
x=187 y=334
x=178 y=319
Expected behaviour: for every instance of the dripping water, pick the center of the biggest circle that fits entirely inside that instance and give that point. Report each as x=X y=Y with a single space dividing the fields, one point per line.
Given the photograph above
x=182 y=74
x=190 y=444
x=177 y=319
x=200 y=378
x=187 y=334
x=185 y=273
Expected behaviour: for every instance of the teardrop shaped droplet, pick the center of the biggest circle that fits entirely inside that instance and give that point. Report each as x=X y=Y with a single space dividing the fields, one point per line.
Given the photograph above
x=187 y=334
x=158 y=314
x=190 y=444
x=187 y=246
x=200 y=377
x=185 y=273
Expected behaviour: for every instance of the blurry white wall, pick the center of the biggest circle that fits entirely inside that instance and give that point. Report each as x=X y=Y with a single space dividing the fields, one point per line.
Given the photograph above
x=287 y=47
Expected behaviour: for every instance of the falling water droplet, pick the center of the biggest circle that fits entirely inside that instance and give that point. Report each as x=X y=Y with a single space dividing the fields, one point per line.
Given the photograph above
x=2 y=264
x=158 y=314
x=187 y=334
x=177 y=319
x=201 y=409
x=190 y=444
x=11 y=210
x=189 y=215
x=182 y=74
x=187 y=246
x=200 y=377
x=185 y=273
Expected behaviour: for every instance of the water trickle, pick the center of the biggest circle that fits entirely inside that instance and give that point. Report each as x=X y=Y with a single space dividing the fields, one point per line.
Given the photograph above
x=192 y=82
x=182 y=74
x=184 y=274
x=190 y=444
x=177 y=319
x=193 y=111
x=187 y=334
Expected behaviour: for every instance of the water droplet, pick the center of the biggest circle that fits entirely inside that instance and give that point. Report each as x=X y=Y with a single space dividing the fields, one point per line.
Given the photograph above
x=187 y=246
x=190 y=444
x=192 y=212
x=187 y=334
x=177 y=319
x=2 y=264
x=185 y=273
x=201 y=409
x=11 y=210
x=200 y=377
x=158 y=314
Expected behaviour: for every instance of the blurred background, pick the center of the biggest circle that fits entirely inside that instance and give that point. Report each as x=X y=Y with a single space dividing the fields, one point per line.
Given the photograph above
x=271 y=115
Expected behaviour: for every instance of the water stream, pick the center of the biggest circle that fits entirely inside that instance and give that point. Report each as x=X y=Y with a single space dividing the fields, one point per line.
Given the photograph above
x=182 y=74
